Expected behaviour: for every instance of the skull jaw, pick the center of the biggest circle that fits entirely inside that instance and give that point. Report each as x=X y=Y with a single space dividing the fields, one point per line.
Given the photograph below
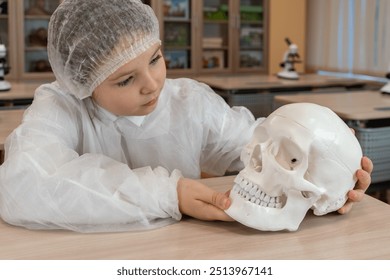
x=271 y=219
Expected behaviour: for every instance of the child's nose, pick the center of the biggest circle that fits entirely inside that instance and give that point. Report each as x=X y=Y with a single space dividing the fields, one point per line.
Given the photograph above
x=149 y=84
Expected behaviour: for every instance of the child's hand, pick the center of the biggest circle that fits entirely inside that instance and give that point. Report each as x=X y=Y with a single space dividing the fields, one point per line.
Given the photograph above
x=364 y=180
x=199 y=201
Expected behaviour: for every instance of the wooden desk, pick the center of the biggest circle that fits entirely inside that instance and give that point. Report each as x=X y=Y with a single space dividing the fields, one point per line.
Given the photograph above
x=235 y=84
x=353 y=105
x=20 y=93
x=256 y=92
x=361 y=234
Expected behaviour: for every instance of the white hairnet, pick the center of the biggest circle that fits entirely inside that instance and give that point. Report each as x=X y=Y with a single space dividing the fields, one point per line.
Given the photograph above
x=89 y=40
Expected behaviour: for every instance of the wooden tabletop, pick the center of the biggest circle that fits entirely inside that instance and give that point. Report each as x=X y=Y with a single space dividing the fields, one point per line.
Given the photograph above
x=19 y=91
x=9 y=120
x=269 y=82
x=351 y=105
x=361 y=234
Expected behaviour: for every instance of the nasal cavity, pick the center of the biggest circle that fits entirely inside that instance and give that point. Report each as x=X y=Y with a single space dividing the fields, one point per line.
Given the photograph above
x=256 y=162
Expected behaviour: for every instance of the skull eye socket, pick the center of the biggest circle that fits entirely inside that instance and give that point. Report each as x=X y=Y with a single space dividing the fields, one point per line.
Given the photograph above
x=288 y=154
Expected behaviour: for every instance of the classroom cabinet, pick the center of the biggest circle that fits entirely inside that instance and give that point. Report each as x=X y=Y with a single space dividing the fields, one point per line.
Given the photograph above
x=24 y=28
x=198 y=36
x=213 y=36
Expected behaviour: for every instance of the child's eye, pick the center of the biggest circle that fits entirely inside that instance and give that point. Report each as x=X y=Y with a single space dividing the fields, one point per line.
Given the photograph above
x=154 y=60
x=125 y=82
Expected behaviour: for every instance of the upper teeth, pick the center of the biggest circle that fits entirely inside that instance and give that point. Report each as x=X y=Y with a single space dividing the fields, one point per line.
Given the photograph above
x=252 y=192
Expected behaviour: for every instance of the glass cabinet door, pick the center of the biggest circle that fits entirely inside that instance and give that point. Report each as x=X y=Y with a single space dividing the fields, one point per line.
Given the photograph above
x=251 y=34
x=36 y=15
x=215 y=38
x=177 y=34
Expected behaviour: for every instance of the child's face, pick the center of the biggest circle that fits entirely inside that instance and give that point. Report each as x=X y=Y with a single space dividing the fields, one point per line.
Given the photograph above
x=134 y=89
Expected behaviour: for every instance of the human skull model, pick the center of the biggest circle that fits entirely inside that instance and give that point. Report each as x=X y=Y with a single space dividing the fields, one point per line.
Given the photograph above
x=301 y=156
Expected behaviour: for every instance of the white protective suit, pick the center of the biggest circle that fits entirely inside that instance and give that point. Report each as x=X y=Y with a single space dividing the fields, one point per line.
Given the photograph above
x=72 y=165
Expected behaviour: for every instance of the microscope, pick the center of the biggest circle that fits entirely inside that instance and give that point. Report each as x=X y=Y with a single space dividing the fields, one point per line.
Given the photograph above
x=290 y=57
x=4 y=69
x=386 y=88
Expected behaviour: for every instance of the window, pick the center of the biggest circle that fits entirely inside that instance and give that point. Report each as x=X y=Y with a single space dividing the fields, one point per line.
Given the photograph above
x=350 y=36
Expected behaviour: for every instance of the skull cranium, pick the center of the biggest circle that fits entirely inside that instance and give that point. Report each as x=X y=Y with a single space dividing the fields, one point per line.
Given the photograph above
x=302 y=156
